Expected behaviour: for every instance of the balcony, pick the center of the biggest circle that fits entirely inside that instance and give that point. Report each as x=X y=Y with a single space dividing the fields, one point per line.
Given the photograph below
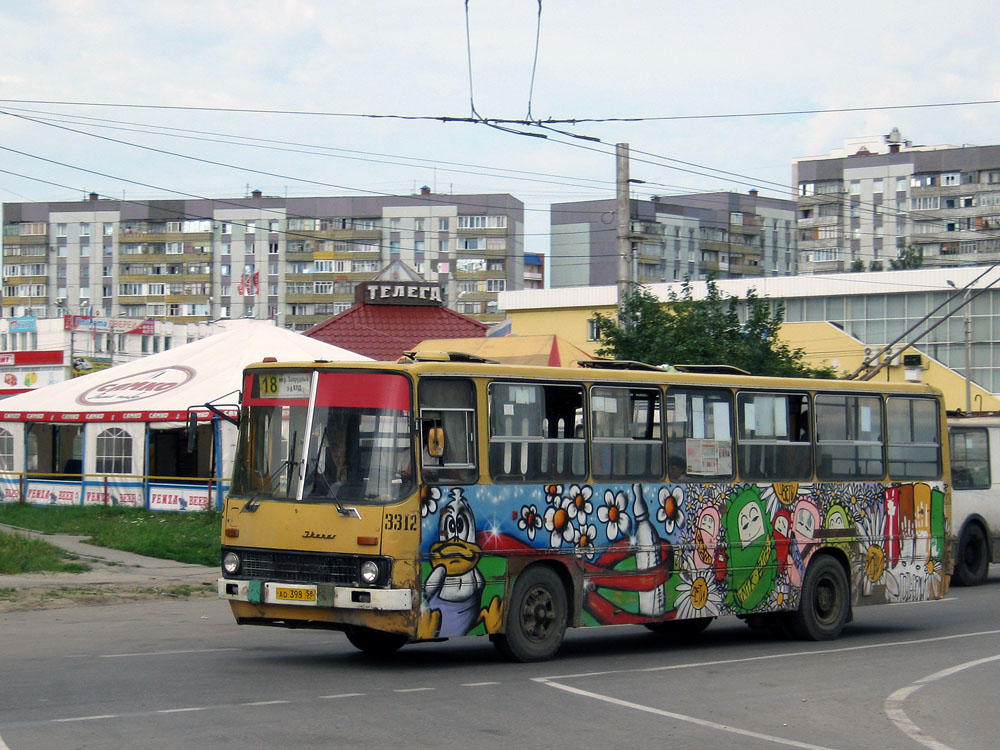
x=819 y=221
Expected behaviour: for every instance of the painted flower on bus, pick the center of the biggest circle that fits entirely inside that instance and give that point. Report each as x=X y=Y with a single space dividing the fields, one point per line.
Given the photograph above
x=698 y=593
x=559 y=522
x=429 y=498
x=614 y=513
x=583 y=540
x=530 y=521
x=670 y=511
x=578 y=503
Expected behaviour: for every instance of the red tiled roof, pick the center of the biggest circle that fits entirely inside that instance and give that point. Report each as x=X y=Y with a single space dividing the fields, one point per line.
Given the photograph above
x=384 y=332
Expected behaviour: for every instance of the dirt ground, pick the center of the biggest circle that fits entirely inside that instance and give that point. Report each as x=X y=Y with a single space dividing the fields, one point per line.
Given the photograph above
x=74 y=594
x=114 y=576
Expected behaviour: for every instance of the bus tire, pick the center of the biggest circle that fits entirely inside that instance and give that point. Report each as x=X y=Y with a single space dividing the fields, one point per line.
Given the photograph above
x=825 y=602
x=375 y=642
x=972 y=558
x=680 y=628
x=537 y=614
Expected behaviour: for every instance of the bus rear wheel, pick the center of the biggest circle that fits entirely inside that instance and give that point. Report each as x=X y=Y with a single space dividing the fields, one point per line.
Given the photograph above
x=825 y=603
x=536 y=617
x=375 y=642
x=972 y=561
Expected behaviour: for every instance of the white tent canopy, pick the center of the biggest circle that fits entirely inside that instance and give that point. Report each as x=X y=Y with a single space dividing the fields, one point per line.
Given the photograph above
x=162 y=386
x=117 y=435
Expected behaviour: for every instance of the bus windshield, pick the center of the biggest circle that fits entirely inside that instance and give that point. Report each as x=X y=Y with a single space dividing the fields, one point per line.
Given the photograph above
x=326 y=438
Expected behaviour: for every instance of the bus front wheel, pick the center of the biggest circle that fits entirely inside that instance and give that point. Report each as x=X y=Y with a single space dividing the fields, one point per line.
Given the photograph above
x=972 y=561
x=536 y=617
x=825 y=602
x=375 y=642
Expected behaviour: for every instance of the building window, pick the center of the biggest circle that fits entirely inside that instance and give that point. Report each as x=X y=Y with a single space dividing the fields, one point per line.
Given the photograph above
x=114 y=452
x=444 y=223
x=877 y=186
x=6 y=451
x=84 y=229
x=496 y=285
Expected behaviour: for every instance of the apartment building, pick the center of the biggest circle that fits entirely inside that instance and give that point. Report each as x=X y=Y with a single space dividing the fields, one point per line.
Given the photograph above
x=293 y=260
x=724 y=234
x=862 y=206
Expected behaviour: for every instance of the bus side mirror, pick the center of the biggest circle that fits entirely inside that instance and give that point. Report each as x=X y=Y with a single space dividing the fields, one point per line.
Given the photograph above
x=192 y=430
x=435 y=442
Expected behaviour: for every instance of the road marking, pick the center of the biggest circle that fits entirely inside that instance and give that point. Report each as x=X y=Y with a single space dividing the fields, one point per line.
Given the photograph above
x=744 y=660
x=86 y=718
x=464 y=684
x=924 y=601
x=3 y=745
x=167 y=653
x=413 y=690
x=264 y=703
x=893 y=706
x=342 y=695
x=689 y=719
x=182 y=710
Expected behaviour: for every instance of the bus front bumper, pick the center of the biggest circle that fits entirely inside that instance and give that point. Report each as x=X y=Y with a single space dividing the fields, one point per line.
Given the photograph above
x=315 y=595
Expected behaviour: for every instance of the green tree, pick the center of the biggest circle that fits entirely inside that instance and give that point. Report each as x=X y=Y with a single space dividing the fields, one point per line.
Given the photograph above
x=703 y=331
x=876 y=265
x=857 y=265
x=910 y=257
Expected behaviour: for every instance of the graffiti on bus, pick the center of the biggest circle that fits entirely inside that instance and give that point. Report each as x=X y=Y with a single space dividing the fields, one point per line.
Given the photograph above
x=679 y=550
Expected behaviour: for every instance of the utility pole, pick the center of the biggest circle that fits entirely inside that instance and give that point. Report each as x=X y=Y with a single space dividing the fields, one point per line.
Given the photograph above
x=624 y=223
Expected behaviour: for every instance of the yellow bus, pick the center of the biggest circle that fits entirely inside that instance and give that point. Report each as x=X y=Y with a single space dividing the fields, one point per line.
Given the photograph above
x=442 y=496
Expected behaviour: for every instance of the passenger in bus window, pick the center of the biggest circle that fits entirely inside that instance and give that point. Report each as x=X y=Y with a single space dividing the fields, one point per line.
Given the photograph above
x=677 y=469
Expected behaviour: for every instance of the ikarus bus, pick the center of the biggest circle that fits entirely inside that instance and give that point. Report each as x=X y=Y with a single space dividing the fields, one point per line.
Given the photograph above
x=441 y=496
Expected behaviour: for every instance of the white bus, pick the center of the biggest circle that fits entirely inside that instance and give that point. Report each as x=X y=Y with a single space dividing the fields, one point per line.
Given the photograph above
x=975 y=503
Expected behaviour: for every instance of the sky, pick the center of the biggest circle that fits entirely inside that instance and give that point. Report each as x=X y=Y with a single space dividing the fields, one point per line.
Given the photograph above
x=269 y=95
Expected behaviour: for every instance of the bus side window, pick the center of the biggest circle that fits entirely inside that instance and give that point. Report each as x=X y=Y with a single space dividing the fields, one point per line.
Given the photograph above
x=699 y=434
x=448 y=430
x=970 y=458
x=773 y=438
x=913 y=438
x=625 y=433
x=533 y=435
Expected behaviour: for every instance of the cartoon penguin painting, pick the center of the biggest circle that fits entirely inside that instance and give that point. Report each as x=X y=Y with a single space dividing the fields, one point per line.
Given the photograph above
x=752 y=554
x=453 y=590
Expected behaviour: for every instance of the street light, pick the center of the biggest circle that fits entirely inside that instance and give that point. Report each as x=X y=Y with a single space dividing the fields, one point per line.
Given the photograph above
x=967 y=318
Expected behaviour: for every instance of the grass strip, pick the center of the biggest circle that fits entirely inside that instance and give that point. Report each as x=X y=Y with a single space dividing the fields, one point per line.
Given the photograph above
x=185 y=537
x=22 y=554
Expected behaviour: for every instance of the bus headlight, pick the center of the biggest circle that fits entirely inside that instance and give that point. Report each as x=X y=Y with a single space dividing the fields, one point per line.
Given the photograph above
x=369 y=572
x=231 y=563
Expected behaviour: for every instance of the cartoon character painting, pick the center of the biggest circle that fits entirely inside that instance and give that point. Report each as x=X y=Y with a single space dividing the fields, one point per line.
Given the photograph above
x=805 y=521
x=752 y=556
x=453 y=590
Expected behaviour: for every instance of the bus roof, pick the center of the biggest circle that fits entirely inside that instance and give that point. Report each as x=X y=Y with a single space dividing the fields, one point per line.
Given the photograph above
x=595 y=374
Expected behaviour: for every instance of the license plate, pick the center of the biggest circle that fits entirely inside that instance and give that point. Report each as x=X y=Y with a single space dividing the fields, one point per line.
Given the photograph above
x=283 y=593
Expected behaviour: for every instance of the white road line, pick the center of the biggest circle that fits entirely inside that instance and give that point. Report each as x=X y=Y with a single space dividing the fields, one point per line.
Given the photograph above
x=413 y=690
x=689 y=719
x=924 y=601
x=167 y=653
x=744 y=660
x=182 y=710
x=893 y=706
x=264 y=703
x=464 y=684
x=86 y=718
x=342 y=695
x=3 y=745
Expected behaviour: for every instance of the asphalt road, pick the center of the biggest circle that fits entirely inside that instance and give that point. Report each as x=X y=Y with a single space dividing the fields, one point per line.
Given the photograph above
x=165 y=674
